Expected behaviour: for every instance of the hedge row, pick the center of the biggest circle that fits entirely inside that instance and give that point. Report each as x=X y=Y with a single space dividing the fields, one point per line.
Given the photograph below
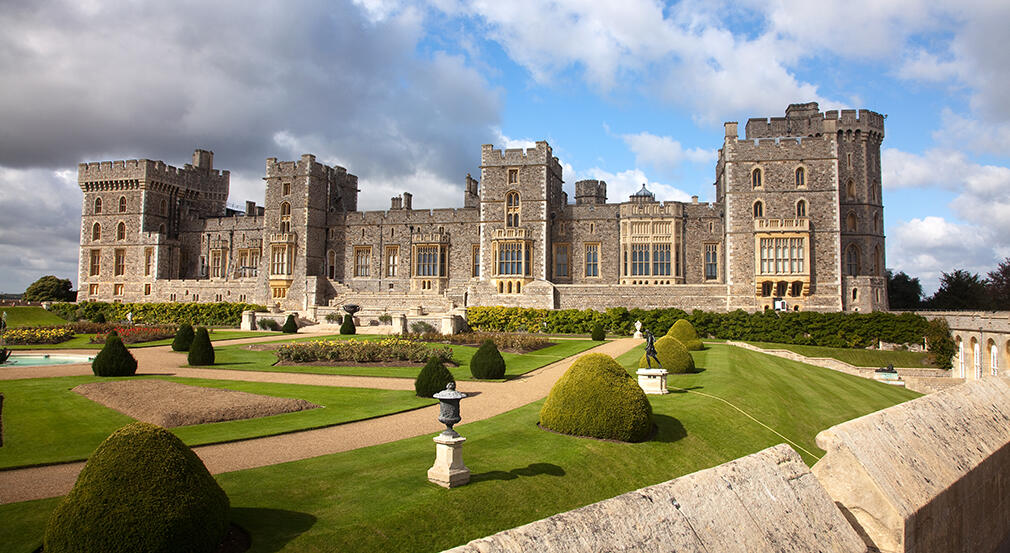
x=30 y=336
x=803 y=327
x=361 y=351
x=222 y=314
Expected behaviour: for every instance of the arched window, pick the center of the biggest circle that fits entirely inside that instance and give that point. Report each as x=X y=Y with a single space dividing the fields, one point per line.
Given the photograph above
x=876 y=222
x=122 y=204
x=98 y=205
x=96 y=232
x=512 y=209
x=801 y=208
x=993 y=359
x=850 y=190
x=852 y=261
x=759 y=209
x=285 y=225
x=801 y=177
x=331 y=265
x=976 y=350
x=855 y=294
x=121 y=231
x=878 y=261
x=164 y=208
x=960 y=357
x=850 y=222
x=755 y=178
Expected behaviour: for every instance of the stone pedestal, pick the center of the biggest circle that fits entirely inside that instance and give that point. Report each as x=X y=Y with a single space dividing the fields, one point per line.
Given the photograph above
x=449 y=470
x=653 y=381
x=638 y=335
x=248 y=320
x=399 y=323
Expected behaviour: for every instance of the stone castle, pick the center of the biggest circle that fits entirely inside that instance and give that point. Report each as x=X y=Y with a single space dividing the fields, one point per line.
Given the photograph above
x=797 y=224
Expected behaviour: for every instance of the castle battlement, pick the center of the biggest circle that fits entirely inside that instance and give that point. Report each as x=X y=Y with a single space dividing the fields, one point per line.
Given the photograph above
x=539 y=155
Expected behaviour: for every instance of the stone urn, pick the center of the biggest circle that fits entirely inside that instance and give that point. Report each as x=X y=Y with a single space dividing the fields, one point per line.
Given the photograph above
x=448 y=403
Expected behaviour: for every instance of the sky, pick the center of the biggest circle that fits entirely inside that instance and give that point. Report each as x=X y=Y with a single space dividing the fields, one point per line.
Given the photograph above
x=403 y=94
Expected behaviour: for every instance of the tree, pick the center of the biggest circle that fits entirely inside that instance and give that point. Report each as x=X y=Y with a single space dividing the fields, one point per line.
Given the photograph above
x=959 y=290
x=999 y=286
x=50 y=288
x=201 y=351
x=903 y=291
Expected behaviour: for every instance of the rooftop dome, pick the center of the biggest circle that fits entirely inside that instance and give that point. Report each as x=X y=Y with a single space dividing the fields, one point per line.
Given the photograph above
x=643 y=195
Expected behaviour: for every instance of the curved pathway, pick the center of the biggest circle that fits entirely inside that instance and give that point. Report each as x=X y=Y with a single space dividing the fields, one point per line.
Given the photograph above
x=490 y=399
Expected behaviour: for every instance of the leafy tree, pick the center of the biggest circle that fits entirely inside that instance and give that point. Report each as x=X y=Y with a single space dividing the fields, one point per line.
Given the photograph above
x=959 y=290
x=999 y=286
x=50 y=288
x=903 y=291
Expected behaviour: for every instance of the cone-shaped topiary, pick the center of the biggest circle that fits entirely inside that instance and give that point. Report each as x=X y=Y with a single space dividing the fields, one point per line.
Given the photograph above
x=183 y=337
x=201 y=352
x=596 y=397
x=673 y=356
x=114 y=359
x=347 y=327
x=598 y=333
x=684 y=332
x=432 y=378
x=141 y=490
x=487 y=362
x=290 y=326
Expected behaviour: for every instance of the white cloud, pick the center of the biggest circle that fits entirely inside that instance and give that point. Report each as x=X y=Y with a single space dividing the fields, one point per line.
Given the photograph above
x=929 y=246
x=966 y=133
x=921 y=65
x=507 y=142
x=663 y=152
x=625 y=183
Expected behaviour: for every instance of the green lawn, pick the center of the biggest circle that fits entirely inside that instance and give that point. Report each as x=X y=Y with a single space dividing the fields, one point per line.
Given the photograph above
x=31 y=316
x=378 y=498
x=45 y=422
x=82 y=341
x=857 y=357
x=238 y=358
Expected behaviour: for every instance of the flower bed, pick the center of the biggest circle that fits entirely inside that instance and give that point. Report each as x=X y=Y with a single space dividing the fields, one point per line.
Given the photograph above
x=360 y=351
x=137 y=334
x=30 y=336
x=517 y=342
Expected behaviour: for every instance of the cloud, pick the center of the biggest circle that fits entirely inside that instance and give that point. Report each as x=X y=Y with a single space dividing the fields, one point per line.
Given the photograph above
x=663 y=152
x=625 y=183
x=929 y=246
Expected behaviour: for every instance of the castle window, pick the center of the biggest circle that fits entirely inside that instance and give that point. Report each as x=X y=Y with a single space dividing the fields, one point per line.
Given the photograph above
x=216 y=259
x=285 y=225
x=119 y=269
x=852 y=260
x=98 y=206
x=850 y=222
x=801 y=208
x=711 y=261
x=96 y=231
x=848 y=160
x=855 y=294
x=766 y=288
x=759 y=209
x=639 y=259
x=510 y=258
x=148 y=261
x=122 y=204
x=118 y=289
x=96 y=263
x=561 y=260
x=661 y=259
x=780 y=288
x=286 y=188
x=755 y=178
x=392 y=260
x=513 y=176
x=876 y=222
x=801 y=177
x=512 y=209
x=850 y=190
x=429 y=260
x=331 y=264
x=796 y=289
x=147 y=289
x=280 y=260
x=92 y=289
x=164 y=208
x=362 y=261
x=161 y=228
x=782 y=256
x=121 y=231
x=475 y=261
x=248 y=262
x=592 y=260
x=878 y=261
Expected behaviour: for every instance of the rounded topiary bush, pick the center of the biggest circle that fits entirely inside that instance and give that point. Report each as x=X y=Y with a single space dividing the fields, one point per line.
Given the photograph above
x=290 y=326
x=183 y=337
x=598 y=333
x=432 y=378
x=201 y=351
x=114 y=359
x=141 y=490
x=673 y=356
x=347 y=327
x=98 y=318
x=597 y=398
x=487 y=362
x=684 y=332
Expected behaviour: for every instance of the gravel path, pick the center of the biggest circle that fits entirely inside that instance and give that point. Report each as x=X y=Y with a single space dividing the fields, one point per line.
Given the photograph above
x=489 y=399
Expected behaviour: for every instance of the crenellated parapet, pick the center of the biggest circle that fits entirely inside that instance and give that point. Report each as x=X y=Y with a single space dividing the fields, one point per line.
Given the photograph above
x=539 y=155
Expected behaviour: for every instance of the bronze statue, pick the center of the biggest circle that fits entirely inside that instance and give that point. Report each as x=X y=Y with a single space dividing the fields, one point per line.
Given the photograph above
x=650 y=350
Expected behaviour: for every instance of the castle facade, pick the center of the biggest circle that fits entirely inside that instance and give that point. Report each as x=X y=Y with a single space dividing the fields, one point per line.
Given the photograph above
x=797 y=224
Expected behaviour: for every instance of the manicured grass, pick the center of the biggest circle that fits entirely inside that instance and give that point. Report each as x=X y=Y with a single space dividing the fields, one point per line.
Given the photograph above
x=238 y=358
x=82 y=341
x=857 y=357
x=45 y=422
x=18 y=316
x=378 y=498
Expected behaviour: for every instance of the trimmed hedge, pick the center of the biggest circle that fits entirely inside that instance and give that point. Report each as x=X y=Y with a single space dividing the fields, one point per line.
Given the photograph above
x=114 y=359
x=362 y=351
x=432 y=378
x=141 y=490
x=201 y=351
x=487 y=362
x=597 y=398
x=347 y=327
x=673 y=356
x=218 y=314
x=290 y=326
x=183 y=337
x=598 y=334
x=683 y=332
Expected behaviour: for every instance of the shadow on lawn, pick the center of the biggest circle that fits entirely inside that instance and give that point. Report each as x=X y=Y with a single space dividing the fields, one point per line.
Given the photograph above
x=533 y=469
x=272 y=529
x=669 y=429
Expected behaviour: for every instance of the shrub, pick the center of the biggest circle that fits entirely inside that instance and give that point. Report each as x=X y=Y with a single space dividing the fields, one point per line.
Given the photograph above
x=941 y=345
x=114 y=359
x=29 y=335
x=333 y=317
x=290 y=326
x=519 y=341
x=360 y=351
x=268 y=324
x=683 y=331
x=347 y=327
x=221 y=313
x=598 y=333
x=98 y=317
x=596 y=397
x=432 y=378
x=673 y=356
x=386 y=318
x=183 y=337
x=135 y=334
x=487 y=362
x=201 y=351
x=421 y=327
x=141 y=490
